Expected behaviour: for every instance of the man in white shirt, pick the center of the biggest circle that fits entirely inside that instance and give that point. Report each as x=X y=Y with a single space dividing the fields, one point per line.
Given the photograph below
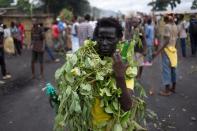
x=74 y=35
x=182 y=35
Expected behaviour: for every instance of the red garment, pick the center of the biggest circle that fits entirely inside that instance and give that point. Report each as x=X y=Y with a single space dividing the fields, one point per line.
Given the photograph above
x=55 y=31
x=22 y=30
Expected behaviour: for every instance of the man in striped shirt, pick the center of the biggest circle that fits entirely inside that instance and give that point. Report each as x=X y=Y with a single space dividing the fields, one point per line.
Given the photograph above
x=85 y=30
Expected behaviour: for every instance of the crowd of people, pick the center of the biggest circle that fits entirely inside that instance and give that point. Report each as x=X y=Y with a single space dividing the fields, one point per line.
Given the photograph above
x=162 y=35
x=70 y=36
x=153 y=35
x=11 y=41
x=150 y=37
x=148 y=31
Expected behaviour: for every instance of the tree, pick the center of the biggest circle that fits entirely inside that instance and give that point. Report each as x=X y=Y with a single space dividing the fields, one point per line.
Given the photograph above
x=25 y=6
x=78 y=7
x=5 y=3
x=66 y=14
x=29 y=6
x=194 y=5
x=161 y=5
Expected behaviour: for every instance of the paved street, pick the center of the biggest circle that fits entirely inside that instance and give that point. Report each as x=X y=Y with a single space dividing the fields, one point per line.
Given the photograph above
x=24 y=107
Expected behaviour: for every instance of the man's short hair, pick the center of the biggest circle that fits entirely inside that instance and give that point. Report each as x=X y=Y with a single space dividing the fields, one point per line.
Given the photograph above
x=109 y=22
x=87 y=17
x=149 y=21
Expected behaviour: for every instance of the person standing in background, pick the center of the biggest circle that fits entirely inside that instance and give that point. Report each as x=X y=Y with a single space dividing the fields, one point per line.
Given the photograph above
x=193 y=34
x=68 y=38
x=2 y=57
x=169 y=56
x=85 y=30
x=62 y=32
x=55 y=36
x=74 y=33
x=15 y=32
x=8 y=41
x=182 y=35
x=22 y=34
x=149 y=34
x=38 y=47
x=47 y=47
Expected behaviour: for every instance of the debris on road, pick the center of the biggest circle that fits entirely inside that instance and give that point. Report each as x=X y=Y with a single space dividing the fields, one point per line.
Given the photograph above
x=184 y=110
x=193 y=118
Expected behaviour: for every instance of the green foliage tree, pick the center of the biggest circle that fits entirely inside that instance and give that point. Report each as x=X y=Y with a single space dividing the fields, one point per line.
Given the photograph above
x=5 y=3
x=25 y=6
x=161 y=5
x=66 y=14
x=194 y=5
x=78 y=7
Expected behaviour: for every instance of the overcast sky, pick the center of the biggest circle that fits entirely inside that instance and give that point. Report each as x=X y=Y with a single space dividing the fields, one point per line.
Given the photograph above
x=133 y=5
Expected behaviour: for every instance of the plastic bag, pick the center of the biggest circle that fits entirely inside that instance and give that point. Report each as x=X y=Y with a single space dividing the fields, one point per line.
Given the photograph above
x=9 y=45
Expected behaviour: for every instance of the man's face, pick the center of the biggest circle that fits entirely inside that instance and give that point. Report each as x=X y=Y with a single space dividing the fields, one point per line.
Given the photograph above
x=107 y=41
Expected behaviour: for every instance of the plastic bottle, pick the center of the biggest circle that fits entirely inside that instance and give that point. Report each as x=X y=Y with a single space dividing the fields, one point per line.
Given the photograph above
x=124 y=52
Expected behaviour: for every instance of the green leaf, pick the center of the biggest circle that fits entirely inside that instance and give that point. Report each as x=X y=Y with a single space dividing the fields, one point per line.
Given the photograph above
x=68 y=67
x=85 y=89
x=58 y=73
x=99 y=76
x=73 y=60
x=124 y=125
x=105 y=91
x=115 y=105
x=69 y=77
x=68 y=91
x=108 y=110
x=103 y=62
x=72 y=107
x=89 y=63
x=77 y=107
x=76 y=71
x=131 y=127
x=75 y=96
x=117 y=127
x=125 y=117
x=138 y=127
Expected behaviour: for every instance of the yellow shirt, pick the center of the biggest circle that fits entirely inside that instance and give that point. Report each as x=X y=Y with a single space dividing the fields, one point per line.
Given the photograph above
x=98 y=113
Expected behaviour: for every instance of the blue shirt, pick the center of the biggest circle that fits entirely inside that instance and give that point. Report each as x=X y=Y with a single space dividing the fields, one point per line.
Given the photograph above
x=149 y=33
x=61 y=26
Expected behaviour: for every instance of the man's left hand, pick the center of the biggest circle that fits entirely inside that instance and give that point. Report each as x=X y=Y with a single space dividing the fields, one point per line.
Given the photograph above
x=118 y=66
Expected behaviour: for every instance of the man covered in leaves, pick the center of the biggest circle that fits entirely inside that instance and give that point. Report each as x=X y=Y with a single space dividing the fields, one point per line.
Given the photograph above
x=93 y=86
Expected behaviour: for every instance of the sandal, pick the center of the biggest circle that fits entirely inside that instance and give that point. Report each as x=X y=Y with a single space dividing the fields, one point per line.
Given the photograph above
x=165 y=93
x=172 y=90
